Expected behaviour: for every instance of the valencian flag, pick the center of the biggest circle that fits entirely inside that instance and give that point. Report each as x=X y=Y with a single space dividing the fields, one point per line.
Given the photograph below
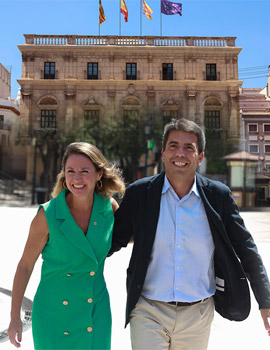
x=102 y=16
x=124 y=10
x=146 y=10
x=171 y=8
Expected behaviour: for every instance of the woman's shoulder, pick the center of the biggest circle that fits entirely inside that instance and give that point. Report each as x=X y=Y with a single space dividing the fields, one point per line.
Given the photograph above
x=52 y=203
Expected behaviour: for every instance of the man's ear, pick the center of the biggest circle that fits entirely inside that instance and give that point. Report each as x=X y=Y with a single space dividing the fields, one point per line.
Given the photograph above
x=162 y=151
x=200 y=159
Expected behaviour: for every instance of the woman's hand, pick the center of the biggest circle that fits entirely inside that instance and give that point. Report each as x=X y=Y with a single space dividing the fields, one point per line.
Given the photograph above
x=15 y=332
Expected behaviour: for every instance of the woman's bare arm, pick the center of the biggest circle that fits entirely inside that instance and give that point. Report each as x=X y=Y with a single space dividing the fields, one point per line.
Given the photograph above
x=37 y=239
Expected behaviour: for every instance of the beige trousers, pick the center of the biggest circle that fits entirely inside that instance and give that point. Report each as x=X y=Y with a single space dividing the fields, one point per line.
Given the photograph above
x=156 y=325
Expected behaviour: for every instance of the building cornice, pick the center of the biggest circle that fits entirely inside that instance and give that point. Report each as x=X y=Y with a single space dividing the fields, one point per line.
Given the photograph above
x=158 y=83
x=13 y=109
x=155 y=44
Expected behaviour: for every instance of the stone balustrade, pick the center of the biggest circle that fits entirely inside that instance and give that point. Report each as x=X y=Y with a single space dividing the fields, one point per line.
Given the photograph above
x=92 y=40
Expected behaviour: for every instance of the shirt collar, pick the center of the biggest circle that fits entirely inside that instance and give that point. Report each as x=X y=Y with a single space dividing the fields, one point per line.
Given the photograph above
x=167 y=186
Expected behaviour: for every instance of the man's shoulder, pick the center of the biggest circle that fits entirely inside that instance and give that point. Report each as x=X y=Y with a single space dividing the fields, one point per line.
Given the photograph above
x=148 y=181
x=211 y=184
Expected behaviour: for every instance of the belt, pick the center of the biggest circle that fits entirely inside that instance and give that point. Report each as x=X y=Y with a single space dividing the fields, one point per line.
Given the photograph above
x=180 y=303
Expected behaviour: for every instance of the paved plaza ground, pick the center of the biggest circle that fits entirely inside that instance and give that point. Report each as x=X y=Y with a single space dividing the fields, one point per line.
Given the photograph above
x=225 y=335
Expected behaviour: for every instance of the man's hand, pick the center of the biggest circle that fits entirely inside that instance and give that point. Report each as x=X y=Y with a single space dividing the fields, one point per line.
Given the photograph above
x=266 y=318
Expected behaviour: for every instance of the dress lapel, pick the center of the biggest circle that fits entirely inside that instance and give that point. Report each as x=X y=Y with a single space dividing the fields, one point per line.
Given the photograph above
x=71 y=230
x=98 y=233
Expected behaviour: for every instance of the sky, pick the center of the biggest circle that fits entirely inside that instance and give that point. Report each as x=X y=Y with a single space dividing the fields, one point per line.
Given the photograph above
x=247 y=20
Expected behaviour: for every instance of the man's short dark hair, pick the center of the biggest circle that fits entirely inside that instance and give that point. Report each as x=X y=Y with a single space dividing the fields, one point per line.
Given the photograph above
x=184 y=125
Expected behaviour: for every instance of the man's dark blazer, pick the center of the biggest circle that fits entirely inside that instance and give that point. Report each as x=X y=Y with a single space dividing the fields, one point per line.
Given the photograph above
x=236 y=256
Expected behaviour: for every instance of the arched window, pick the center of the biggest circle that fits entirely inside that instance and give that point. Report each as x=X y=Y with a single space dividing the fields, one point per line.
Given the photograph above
x=48 y=106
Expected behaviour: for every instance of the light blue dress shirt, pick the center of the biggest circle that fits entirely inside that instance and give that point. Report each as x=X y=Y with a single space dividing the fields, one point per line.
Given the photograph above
x=181 y=266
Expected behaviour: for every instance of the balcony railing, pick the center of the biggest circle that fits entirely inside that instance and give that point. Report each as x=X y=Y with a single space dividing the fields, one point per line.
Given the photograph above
x=87 y=40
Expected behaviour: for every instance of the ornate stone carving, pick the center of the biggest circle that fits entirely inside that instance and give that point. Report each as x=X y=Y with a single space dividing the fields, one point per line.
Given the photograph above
x=131 y=89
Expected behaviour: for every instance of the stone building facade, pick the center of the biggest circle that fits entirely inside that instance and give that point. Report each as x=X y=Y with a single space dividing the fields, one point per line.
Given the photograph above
x=68 y=79
x=255 y=119
x=5 y=87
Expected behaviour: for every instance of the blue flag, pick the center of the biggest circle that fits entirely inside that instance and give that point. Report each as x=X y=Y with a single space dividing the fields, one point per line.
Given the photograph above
x=171 y=8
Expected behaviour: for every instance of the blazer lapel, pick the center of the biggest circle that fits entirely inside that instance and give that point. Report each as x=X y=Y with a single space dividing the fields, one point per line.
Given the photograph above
x=71 y=230
x=152 y=206
x=214 y=219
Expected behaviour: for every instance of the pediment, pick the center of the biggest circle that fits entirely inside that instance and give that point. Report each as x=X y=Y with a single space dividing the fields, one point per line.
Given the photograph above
x=212 y=101
x=91 y=101
x=48 y=101
x=169 y=102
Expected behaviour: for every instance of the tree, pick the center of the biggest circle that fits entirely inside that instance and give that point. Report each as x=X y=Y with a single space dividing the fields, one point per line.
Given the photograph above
x=216 y=148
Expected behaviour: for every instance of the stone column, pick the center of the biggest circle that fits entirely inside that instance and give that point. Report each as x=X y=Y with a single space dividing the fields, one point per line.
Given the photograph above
x=191 y=103
x=234 y=119
x=69 y=114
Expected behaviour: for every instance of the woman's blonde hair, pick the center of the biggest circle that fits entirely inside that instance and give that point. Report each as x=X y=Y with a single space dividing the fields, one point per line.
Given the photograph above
x=111 y=180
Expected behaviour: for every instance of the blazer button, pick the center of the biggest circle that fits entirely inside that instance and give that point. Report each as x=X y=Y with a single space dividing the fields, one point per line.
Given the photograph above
x=92 y=273
x=65 y=302
x=90 y=300
x=139 y=286
x=89 y=329
x=66 y=333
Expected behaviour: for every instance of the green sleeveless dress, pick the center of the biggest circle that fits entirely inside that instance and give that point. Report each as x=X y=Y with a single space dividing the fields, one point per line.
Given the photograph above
x=71 y=308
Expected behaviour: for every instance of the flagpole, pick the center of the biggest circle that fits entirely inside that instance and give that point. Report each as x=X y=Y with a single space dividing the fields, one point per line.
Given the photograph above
x=141 y=18
x=160 y=20
x=98 y=20
x=119 y=17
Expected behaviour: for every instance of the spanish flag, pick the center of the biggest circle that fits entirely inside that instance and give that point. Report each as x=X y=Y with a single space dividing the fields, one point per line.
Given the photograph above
x=102 y=16
x=146 y=10
x=124 y=10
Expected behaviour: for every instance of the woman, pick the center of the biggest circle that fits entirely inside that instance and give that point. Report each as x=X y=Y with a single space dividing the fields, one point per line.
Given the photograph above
x=71 y=308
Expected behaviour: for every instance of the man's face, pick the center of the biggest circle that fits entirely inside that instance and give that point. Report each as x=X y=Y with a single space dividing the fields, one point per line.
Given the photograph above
x=181 y=156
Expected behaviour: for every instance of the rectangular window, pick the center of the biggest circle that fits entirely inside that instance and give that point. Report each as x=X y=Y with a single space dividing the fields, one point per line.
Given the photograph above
x=131 y=71
x=48 y=119
x=252 y=127
x=211 y=71
x=1 y=122
x=92 y=70
x=168 y=115
x=267 y=148
x=131 y=116
x=266 y=127
x=167 y=71
x=212 y=120
x=49 y=70
x=254 y=148
x=91 y=118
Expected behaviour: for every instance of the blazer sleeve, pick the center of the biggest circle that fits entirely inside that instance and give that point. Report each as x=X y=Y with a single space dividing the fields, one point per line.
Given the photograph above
x=247 y=252
x=123 y=224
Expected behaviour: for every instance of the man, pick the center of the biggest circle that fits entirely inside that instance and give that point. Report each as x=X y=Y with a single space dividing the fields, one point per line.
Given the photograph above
x=191 y=253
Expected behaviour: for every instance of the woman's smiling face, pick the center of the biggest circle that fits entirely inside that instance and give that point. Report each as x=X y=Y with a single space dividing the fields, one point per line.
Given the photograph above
x=81 y=175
